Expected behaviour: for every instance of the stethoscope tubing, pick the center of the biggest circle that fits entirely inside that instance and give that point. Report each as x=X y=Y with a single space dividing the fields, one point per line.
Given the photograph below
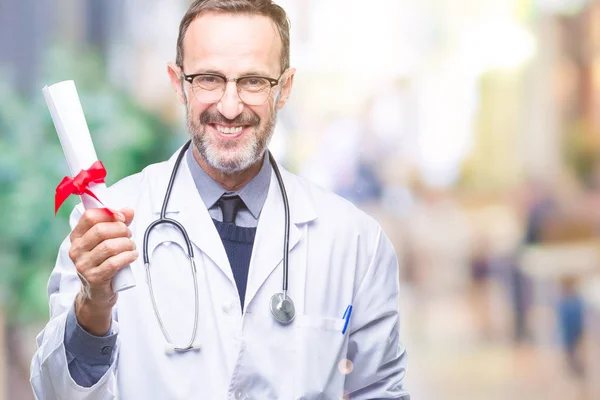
x=286 y=238
x=190 y=253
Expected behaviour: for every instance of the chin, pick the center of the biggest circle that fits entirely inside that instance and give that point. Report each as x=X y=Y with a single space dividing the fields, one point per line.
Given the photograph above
x=231 y=161
x=229 y=156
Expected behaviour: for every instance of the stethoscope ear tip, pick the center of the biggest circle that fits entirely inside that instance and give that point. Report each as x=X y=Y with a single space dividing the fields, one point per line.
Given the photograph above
x=169 y=348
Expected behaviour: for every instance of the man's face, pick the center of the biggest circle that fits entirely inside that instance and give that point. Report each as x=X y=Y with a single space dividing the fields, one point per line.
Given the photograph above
x=229 y=134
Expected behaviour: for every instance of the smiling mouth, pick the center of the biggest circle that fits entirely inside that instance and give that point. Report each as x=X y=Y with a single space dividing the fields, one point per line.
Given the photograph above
x=228 y=129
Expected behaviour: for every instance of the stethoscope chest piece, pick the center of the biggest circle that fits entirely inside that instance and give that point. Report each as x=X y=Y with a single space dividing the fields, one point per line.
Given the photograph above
x=282 y=308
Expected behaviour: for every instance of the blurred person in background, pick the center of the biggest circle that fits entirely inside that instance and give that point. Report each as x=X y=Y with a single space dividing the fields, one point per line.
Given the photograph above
x=570 y=320
x=540 y=206
x=232 y=74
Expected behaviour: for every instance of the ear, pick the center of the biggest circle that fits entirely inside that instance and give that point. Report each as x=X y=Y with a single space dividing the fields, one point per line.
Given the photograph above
x=176 y=76
x=286 y=89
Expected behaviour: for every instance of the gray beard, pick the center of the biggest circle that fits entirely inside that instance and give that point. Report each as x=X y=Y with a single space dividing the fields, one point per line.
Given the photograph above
x=251 y=153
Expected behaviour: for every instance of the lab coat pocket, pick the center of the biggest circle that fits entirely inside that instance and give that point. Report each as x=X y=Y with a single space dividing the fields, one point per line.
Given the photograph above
x=321 y=347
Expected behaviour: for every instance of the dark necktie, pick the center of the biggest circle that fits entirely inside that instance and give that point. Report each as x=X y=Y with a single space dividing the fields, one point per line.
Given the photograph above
x=230 y=206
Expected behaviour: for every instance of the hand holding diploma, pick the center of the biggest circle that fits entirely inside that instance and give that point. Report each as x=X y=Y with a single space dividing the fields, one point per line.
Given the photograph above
x=101 y=245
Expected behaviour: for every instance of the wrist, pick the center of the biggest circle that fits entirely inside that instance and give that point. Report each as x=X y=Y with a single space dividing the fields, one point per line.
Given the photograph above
x=94 y=317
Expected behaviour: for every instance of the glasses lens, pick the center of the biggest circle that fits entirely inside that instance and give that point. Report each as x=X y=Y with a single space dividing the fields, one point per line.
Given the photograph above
x=208 y=88
x=254 y=91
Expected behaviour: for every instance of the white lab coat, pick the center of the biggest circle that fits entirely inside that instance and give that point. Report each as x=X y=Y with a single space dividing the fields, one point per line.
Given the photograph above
x=338 y=256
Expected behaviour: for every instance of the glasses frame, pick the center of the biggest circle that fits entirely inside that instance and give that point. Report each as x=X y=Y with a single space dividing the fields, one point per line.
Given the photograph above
x=273 y=82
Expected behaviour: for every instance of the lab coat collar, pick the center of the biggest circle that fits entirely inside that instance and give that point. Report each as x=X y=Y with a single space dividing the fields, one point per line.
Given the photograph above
x=186 y=206
x=302 y=209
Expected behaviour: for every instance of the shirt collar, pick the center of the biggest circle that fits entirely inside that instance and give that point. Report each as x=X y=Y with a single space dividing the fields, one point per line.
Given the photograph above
x=254 y=193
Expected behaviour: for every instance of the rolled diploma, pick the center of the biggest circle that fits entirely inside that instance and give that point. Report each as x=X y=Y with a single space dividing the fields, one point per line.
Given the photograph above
x=74 y=135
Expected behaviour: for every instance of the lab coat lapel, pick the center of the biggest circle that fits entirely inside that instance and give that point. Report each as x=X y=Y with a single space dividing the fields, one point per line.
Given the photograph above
x=267 y=252
x=186 y=206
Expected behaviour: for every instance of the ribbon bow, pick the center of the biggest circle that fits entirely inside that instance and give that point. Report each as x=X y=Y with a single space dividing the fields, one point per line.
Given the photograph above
x=79 y=184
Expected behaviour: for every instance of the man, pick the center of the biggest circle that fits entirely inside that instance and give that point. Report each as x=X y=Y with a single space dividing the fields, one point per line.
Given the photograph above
x=232 y=74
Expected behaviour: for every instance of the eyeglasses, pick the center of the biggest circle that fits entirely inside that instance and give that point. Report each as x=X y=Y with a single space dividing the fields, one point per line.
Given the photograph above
x=253 y=90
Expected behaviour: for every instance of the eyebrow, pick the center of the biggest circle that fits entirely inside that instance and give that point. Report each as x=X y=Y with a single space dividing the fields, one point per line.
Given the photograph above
x=247 y=73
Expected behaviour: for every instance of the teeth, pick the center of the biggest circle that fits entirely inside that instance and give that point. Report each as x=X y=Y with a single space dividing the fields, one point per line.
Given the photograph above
x=223 y=129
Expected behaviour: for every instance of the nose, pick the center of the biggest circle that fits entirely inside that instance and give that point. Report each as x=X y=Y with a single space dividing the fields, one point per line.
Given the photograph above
x=230 y=105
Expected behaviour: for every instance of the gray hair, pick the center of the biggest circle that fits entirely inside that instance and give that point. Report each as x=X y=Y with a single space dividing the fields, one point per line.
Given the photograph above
x=248 y=7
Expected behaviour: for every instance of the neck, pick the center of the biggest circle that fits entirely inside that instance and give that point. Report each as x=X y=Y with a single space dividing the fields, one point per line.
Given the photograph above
x=230 y=182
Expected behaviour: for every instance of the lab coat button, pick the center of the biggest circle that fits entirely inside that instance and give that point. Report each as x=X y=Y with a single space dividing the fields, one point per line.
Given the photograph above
x=106 y=350
x=227 y=307
x=239 y=394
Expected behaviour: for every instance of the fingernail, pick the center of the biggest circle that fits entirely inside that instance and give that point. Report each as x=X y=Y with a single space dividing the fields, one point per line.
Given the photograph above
x=134 y=245
x=129 y=232
x=121 y=217
x=135 y=253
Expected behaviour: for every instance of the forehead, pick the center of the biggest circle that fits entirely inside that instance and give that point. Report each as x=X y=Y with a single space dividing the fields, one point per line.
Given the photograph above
x=232 y=44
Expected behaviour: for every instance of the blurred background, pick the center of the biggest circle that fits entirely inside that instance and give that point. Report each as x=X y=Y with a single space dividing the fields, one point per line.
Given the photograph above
x=470 y=129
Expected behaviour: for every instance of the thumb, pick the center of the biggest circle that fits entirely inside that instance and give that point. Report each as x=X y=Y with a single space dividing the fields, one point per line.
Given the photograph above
x=128 y=213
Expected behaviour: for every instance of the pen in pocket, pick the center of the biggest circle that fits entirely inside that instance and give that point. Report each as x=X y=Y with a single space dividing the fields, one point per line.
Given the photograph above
x=346 y=318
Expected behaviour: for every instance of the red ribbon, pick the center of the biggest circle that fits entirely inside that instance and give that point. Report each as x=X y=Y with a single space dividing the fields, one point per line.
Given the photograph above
x=79 y=185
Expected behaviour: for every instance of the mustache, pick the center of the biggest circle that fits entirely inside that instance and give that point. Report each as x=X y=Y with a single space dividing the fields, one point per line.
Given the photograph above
x=210 y=117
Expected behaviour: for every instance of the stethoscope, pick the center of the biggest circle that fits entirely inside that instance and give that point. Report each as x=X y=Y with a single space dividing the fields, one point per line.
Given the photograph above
x=281 y=305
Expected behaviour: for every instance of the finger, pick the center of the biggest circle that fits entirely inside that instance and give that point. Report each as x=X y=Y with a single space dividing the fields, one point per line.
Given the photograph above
x=100 y=232
x=90 y=260
x=118 y=214
x=107 y=270
x=108 y=249
x=91 y=217
x=128 y=215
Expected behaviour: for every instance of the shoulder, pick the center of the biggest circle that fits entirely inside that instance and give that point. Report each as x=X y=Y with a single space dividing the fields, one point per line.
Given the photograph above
x=334 y=211
x=127 y=190
x=344 y=232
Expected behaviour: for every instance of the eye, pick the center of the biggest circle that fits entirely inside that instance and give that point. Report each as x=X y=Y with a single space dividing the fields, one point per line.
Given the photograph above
x=207 y=79
x=208 y=82
x=254 y=84
x=254 y=81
